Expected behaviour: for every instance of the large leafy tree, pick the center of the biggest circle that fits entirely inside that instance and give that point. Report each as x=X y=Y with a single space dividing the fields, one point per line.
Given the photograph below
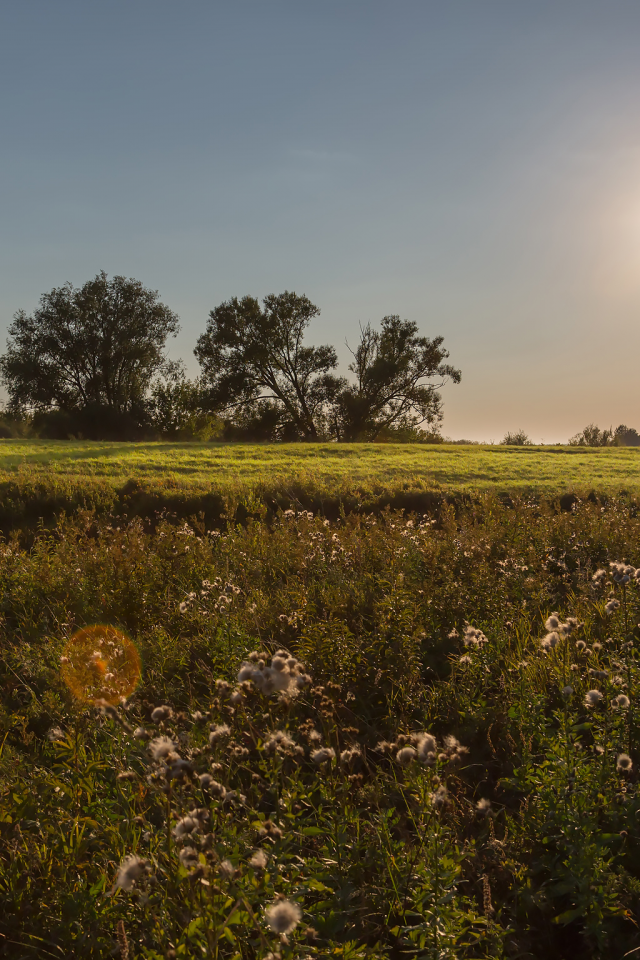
x=253 y=358
x=398 y=375
x=95 y=347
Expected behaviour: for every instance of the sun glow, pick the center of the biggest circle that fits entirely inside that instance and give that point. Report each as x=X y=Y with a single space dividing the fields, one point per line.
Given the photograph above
x=100 y=663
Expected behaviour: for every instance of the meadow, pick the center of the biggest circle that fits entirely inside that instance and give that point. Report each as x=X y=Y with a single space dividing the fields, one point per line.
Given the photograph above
x=403 y=729
x=40 y=479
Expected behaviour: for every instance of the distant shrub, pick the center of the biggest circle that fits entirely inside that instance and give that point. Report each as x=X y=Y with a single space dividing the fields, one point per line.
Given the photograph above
x=626 y=437
x=592 y=436
x=518 y=439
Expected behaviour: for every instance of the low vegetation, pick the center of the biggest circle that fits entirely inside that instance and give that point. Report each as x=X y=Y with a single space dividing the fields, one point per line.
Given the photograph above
x=226 y=482
x=380 y=735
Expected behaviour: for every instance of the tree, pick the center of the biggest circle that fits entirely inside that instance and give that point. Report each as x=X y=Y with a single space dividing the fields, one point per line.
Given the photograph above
x=592 y=436
x=176 y=408
x=392 y=367
x=252 y=357
x=626 y=436
x=518 y=439
x=93 y=349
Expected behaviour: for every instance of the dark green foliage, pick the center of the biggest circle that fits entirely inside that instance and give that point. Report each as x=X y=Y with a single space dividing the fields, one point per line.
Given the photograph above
x=517 y=439
x=392 y=368
x=89 y=354
x=375 y=607
x=250 y=355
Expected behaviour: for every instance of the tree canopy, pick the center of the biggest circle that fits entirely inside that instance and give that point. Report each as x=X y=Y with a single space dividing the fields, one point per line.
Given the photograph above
x=94 y=347
x=394 y=370
x=254 y=357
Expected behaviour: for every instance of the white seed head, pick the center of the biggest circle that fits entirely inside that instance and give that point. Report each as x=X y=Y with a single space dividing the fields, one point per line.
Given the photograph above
x=592 y=698
x=160 y=714
x=323 y=755
x=624 y=763
x=283 y=916
x=130 y=871
x=161 y=747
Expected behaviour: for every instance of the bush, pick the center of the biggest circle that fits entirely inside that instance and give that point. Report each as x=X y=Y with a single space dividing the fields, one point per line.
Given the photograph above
x=518 y=439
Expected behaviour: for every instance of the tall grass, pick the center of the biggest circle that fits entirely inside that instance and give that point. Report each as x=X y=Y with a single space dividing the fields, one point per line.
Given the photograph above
x=514 y=833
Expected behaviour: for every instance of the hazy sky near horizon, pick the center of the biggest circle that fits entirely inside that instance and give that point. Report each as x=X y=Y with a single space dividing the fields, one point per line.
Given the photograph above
x=471 y=165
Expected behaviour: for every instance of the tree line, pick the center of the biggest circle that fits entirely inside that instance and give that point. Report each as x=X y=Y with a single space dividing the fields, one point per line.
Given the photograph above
x=90 y=363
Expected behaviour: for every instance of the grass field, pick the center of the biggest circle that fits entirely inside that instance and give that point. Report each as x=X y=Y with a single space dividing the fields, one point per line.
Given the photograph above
x=443 y=466
x=437 y=767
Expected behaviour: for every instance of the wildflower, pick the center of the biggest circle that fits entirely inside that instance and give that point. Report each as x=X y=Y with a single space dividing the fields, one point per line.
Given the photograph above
x=227 y=870
x=188 y=857
x=465 y=660
x=259 y=860
x=183 y=607
x=198 y=717
x=552 y=622
x=580 y=645
x=350 y=756
x=472 y=636
x=161 y=747
x=283 y=916
x=483 y=807
x=612 y=605
x=427 y=747
x=131 y=870
x=599 y=577
x=278 y=741
x=550 y=641
x=160 y=714
x=592 y=698
x=567 y=691
x=270 y=829
x=56 y=733
x=598 y=674
x=405 y=756
x=236 y=698
x=620 y=702
x=126 y=775
x=221 y=730
x=179 y=767
x=323 y=755
x=624 y=763
x=141 y=734
x=439 y=798
x=185 y=826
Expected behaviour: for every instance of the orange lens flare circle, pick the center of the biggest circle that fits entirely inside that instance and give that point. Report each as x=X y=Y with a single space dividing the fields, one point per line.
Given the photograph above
x=100 y=663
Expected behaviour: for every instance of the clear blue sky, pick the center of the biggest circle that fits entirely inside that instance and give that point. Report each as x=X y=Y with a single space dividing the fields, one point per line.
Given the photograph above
x=473 y=165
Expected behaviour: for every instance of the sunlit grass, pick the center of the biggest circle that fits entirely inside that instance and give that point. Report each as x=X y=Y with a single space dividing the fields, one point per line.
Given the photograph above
x=203 y=466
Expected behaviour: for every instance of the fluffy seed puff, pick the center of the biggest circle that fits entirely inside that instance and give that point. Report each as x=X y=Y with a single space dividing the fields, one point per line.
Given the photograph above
x=259 y=860
x=624 y=763
x=283 y=917
x=405 y=756
x=621 y=702
x=592 y=698
x=160 y=714
x=218 y=732
x=323 y=755
x=427 y=748
x=161 y=747
x=131 y=870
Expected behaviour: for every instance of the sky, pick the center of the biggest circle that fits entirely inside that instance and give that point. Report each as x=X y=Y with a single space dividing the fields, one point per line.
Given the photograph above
x=473 y=166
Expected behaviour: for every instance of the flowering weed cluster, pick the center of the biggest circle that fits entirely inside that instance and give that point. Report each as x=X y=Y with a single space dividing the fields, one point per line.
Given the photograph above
x=396 y=737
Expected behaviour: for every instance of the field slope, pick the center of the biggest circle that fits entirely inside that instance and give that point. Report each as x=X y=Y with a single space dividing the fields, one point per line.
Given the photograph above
x=438 y=467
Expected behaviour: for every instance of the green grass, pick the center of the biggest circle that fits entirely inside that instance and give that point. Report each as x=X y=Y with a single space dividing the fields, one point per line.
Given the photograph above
x=438 y=467
x=385 y=861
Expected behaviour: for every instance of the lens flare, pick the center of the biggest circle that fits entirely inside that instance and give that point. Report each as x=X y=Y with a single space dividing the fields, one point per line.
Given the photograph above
x=100 y=663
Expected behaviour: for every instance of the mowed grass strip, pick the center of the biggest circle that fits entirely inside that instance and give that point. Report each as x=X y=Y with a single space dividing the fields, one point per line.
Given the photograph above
x=445 y=467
